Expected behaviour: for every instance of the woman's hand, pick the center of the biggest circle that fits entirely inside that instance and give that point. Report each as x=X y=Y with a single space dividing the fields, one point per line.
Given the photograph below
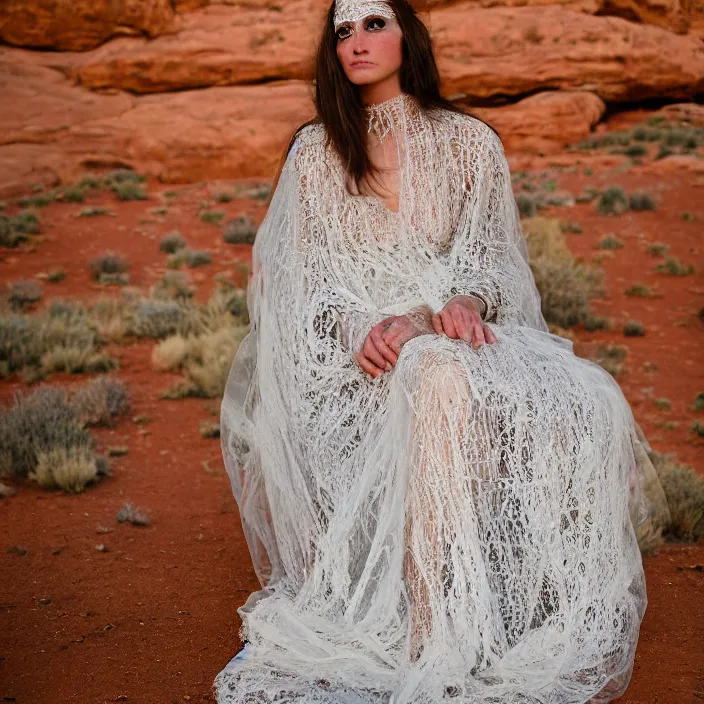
x=460 y=319
x=383 y=344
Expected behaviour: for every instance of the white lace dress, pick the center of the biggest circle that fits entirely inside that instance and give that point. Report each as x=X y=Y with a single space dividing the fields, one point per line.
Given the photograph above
x=462 y=527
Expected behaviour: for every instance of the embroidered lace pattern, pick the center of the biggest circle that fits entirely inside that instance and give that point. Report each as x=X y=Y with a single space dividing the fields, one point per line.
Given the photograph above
x=462 y=527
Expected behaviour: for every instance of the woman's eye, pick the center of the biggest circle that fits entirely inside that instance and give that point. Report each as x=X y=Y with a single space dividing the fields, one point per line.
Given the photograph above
x=343 y=33
x=376 y=22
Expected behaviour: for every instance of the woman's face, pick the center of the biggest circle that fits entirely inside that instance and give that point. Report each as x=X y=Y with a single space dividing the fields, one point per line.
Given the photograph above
x=370 y=50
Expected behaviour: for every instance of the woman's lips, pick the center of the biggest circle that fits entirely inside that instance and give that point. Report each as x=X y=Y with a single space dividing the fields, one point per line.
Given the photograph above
x=361 y=64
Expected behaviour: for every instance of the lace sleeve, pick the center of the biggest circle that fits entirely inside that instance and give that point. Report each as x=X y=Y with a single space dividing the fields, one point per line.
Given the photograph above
x=488 y=258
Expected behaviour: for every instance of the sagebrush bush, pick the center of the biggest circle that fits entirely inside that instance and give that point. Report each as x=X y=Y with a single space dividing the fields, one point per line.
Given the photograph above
x=94 y=211
x=610 y=242
x=17 y=229
x=612 y=201
x=610 y=357
x=639 y=291
x=526 y=205
x=684 y=490
x=674 y=267
x=241 y=230
x=129 y=191
x=657 y=249
x=633 y=328
x=212 y=217
x=641 y=200
x=23 y=294
x=132 y=514
x=71 y=469
x=698 y=404
x=122 y=176
x=157 y=318
x=73 y=194
x=108 y=263
x=101 y=401
x=61 y=338
x=566 y=287
x=175 y=285
x=191 y=257
x=172 y=242
x=42 y=422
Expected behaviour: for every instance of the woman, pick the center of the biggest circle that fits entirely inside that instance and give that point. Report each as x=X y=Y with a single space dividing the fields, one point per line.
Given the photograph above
x=439 y=497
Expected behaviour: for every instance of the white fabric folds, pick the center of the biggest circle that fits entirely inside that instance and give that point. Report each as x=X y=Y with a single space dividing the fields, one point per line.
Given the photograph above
x=461 y=528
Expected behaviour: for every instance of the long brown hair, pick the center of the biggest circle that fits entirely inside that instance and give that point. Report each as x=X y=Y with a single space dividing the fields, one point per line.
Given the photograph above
x=337 y=100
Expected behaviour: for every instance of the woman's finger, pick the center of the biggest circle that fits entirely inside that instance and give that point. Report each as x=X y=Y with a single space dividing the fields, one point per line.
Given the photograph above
x=478 y=332
x=366 y=365
x=448 y=324
x=370 y=351
x=463 y=325
x=436 y=322
x=489 y=335
x=389 y=353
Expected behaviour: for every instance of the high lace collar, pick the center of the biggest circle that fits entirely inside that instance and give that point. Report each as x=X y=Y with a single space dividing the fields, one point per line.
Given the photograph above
x=383 y=116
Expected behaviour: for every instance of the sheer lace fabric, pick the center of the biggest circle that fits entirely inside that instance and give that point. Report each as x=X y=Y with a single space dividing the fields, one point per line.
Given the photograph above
x=462 y=527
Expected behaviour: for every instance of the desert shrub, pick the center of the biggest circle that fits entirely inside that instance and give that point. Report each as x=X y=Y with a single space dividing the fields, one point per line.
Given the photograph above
x=688 y=217
x=212 y=217
x=684 y=490
x=157 y=318
x=190 y=257
x=612 y=201
x=94 y=211
x=673 y=267
x=526 y=205
x=646 y=134
x=610 y=357
x=205 y=359
x=89 y=181
x=565 y=286
x=61 y=338
x=119 y=176
x=205 y=345
x=26 y=221
x=663 y=402
x=635 y=150
x=15 y=230
x=698 y=404
x=241 y=230
x=35 y=425
x=209 y=430
x=172 y=242
x=610 y=242
x=108 y=263
x=639 y=291
x=657 y=249
x=111 y=318
x=128 y=190
x=559 y=198
x=224 y=197
x=698 y=427
x=101 y=401
x=596 y=322
x=634 y=328
x=73 y=194
x=573 y=227
x=174 y=285
x=129 y=513
x=641 y=200
x=56 y=275
x=23 y=294
x=71 y=469
x=114 y=279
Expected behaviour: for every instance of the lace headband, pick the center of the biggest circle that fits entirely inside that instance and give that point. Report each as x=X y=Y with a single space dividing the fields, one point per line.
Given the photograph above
x=355 y=10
